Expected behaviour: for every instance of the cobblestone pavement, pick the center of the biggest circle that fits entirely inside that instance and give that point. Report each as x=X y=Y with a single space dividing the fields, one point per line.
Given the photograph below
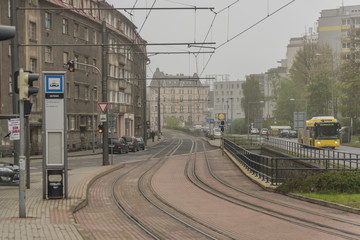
x=49 y=218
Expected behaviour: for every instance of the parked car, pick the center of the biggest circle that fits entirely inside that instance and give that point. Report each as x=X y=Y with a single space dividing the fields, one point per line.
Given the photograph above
x=132 y=142
x=292 y=134
x=284 y=133
x=263 y=131
x=9 y=173
x=254 y=131
x=217 y=133
x=141 y=143
x=119 y=145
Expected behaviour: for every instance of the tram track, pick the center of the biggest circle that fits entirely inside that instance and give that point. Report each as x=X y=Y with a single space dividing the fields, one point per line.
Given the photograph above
x=184 y=190
x=318 y=226
x=147 y=192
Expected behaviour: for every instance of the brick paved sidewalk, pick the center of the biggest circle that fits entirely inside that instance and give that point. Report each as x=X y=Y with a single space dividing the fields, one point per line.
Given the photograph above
x=49 y=219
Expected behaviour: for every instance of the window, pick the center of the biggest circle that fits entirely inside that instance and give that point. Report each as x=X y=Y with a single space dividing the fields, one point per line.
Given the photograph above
x=32 y=31
x=86 y=34
x=48 y=54
x=33 y=64
x=86 y=61
x=9 y=10
x=76 y=59
x=65 y=57
x=95 y=37
x=76 y=30
x=77 y=87
x=346 y=22
x=346 y=45
x=47 y=20
x=121 y=97
x=10 y=84
x=72 y=122
x=65 y=26
x=86 y=93
x=68 y=90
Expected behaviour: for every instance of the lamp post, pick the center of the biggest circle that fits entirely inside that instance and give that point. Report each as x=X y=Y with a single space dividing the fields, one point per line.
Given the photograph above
x=93 y=119
x=332 y=82
x=248 y=118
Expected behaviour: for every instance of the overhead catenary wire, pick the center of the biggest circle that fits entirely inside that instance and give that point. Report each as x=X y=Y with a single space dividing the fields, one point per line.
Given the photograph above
x=147 y=16
x=245 y=30
x=212 y=24
x=255 y=24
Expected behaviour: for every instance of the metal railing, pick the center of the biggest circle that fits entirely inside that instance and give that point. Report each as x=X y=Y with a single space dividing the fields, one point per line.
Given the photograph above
x=277 y=169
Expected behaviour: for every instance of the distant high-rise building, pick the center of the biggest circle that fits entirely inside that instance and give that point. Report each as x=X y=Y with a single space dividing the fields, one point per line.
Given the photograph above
x=338 y=27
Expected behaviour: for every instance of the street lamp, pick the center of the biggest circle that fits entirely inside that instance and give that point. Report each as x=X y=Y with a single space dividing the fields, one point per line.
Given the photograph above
x=93 y=119
x=332 y=82
x=248 y=118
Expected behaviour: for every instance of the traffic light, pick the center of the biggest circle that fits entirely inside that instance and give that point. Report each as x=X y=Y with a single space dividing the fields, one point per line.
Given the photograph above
x=24 y=83
x=71 y=66
x=6 y=32
x=101 y=128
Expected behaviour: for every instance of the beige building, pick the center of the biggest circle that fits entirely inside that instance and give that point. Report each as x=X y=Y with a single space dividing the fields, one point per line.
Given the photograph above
x=57 y=33
x=183 y=97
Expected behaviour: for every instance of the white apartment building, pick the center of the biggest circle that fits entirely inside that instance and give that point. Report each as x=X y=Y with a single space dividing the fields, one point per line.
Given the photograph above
x=227 y=99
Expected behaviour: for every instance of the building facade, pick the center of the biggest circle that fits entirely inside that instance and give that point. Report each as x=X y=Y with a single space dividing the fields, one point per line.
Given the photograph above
x=183 y=97
x=227 y=99
x=51 y=33
x=339 y=28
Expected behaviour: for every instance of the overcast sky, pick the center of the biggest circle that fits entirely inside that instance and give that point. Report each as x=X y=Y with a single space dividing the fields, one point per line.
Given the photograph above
x=251 y=52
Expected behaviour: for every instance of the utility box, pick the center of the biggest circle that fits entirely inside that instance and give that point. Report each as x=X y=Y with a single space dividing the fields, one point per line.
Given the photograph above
x=55 y=184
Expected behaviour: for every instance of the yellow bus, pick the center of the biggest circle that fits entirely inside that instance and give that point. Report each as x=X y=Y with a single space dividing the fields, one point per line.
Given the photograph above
x=321 y=132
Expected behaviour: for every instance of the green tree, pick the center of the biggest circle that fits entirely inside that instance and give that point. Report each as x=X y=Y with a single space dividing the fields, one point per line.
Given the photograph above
x=349 y=79
x=252 y=95
x=238 y=126
x=302 y=68
x=284 y=110
x=172 y=122
x=320 y=93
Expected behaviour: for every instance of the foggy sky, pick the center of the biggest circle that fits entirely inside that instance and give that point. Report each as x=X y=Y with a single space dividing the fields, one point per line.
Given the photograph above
x=252 y=52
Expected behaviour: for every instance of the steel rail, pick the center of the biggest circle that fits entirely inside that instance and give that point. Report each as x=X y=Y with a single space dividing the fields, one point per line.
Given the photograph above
x=122 y=208
x=270 y=212
x=165 y=211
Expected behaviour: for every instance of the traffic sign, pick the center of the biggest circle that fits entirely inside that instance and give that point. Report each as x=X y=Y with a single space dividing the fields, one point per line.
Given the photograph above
x=103 y=106
x=102 y=117
x=221 y=116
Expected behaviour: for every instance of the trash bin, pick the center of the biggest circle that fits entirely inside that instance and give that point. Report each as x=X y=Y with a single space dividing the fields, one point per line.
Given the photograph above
x=55 y=183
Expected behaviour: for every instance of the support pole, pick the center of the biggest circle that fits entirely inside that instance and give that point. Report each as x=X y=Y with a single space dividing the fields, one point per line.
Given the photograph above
x=104 y=94
x=14 y=68
x=22 y=163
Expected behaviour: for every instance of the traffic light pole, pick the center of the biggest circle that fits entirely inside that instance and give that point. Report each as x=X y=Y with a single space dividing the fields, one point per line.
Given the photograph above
x=22 y=209
x=14 y=68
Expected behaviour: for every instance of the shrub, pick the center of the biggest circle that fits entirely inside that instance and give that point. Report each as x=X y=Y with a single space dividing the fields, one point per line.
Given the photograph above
x=325 y=182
